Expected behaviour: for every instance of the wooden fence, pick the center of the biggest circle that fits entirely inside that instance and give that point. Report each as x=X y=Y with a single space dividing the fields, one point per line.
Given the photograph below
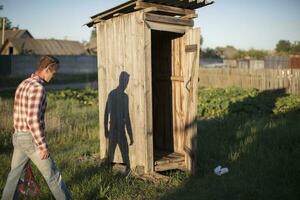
x=262 y=79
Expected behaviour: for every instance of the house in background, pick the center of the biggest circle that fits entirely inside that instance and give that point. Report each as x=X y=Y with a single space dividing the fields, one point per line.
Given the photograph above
x=19 y=57
x=21 y=52
x=29 y=46
x=15 y=33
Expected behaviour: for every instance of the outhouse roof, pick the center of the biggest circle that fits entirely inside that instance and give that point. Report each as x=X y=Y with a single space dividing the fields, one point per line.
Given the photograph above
x=133 y=5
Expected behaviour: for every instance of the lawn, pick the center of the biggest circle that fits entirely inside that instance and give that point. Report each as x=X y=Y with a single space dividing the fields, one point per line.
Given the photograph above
x=255 y=134
x=13 y=81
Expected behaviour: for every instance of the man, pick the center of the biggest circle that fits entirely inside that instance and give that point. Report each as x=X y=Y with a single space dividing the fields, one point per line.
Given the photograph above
x=29 y=137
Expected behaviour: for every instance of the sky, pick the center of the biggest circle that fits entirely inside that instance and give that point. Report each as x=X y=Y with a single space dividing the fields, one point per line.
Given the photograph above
x=243 y=24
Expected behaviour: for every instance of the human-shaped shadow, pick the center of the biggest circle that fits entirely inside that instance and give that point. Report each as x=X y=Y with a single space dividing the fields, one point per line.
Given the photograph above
x=116 y=119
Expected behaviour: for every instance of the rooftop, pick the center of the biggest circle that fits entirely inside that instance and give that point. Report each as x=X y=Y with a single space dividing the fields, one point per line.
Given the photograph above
x=175 y=7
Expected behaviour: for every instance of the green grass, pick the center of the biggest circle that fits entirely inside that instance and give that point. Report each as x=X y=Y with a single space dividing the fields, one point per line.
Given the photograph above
x=72 y=132
x=255 y=134
x=8 y=81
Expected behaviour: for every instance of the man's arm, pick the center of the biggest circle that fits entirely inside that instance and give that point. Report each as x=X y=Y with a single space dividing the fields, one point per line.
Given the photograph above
x=36 y=101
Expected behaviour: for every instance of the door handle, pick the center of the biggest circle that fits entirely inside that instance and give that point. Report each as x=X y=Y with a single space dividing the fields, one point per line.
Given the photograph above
x=188 y=84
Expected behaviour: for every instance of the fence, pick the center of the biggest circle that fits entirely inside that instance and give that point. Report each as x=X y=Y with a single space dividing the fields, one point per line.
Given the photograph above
x=262 y=79
x=24 y=65
x=277 y=62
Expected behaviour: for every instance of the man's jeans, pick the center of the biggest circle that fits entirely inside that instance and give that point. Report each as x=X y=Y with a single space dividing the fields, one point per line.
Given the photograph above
x=25 y=149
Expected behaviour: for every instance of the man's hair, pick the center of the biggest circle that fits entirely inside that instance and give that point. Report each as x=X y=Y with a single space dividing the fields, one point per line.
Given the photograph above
x=48 y=61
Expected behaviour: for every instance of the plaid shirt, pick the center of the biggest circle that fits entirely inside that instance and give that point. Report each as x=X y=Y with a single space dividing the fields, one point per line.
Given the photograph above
x=29 y=109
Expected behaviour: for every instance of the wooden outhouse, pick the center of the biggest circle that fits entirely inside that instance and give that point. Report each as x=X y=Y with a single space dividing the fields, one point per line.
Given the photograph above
x=148 y=59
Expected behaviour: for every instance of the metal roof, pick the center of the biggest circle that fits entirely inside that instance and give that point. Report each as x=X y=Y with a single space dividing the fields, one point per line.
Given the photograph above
x=16 y=33
x=130 y=6
x=48 y=47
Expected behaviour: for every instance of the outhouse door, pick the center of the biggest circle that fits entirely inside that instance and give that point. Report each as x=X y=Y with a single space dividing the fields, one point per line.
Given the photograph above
x=175 y=99
x=184 y=95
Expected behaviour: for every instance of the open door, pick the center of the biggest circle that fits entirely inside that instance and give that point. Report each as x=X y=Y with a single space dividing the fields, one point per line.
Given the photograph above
x=175 y=63
x=185 y=65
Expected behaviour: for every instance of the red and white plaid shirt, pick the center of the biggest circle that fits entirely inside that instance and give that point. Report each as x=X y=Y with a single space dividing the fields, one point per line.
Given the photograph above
x=29 y=109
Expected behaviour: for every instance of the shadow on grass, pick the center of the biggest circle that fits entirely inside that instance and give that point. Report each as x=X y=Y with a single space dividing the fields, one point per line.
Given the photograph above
x=260 y=149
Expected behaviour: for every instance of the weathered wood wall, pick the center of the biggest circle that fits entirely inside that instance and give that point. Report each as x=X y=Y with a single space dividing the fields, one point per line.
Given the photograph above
x=122 y=48
x=262 y=79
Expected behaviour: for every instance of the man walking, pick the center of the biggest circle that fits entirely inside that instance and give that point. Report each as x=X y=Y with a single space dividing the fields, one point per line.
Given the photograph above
x=29 y=137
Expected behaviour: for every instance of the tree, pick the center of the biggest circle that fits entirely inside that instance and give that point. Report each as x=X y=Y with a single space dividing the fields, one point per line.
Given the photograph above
x=209 y=53
x=257 y=54
x=283 y=46
x=7 y=23
x=295 y=49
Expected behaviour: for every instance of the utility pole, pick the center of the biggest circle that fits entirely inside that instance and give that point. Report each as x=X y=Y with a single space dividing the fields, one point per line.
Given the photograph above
x=3 y=31
x=3 y=27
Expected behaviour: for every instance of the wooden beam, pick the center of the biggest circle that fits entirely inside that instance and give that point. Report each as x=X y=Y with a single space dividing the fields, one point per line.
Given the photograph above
x=164 y=8
x=93 y=22
x=166 y=27
x=190 y=16
x=150 y=9
x=169 y=166
x=168 y=20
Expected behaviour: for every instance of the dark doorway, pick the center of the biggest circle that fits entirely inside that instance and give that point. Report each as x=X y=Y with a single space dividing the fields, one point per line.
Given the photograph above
x=10 y=51
x=163 y=133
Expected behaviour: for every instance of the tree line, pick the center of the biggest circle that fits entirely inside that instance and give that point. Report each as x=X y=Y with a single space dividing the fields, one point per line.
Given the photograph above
x=283 y=47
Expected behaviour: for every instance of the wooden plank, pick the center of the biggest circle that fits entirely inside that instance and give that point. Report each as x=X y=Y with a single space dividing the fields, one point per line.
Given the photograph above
x=166 y=27
x=149 y=166
x=165 y=157
x=190 y=143
x=177 y=96
x=140 y=104
x=164 y=8
x=189 y=16
x=167 y=160
x=117 y=15
x=168 y=19
x=191 y=48
x=150 y=9
x=169 y=166
x=101 y=62
x=177 y=78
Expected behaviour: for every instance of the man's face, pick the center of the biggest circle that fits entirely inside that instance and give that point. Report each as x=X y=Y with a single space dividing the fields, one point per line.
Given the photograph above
x=48 y=74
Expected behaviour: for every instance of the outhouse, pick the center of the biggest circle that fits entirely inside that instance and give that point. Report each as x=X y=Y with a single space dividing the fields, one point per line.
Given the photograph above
x=148 y=59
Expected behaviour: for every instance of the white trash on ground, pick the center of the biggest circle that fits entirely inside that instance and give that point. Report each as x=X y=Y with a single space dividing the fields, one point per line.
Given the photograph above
x=220 y=171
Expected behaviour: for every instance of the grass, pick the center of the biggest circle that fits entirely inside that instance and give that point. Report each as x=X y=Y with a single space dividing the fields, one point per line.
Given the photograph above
x=72 y=132
x=8 y=81
x=262 y=155
x=261 y=150
x=257 y=140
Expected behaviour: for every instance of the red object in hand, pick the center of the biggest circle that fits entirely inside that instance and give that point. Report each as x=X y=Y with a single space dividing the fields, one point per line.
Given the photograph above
x=27 y=185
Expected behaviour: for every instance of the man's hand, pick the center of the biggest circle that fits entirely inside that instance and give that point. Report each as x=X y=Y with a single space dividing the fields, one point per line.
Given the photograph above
x=44 y=154
x=131 y=142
